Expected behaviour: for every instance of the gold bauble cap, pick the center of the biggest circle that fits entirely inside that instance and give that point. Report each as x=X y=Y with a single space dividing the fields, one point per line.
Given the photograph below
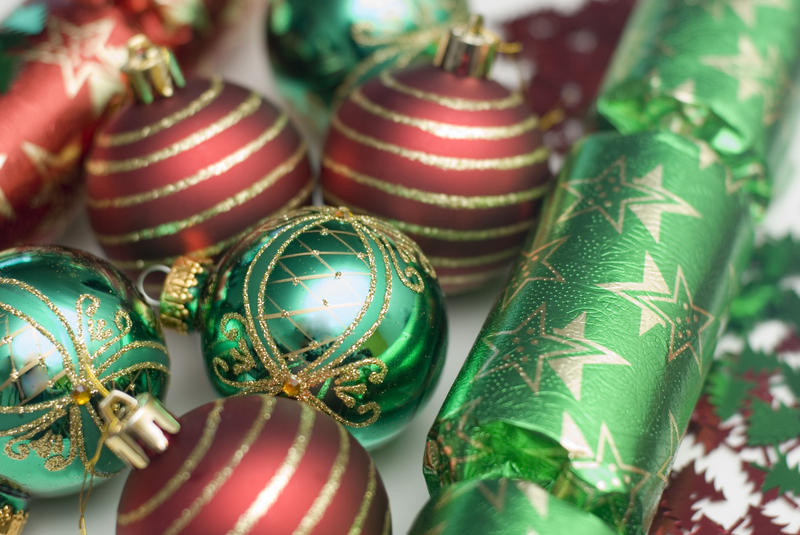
x=469 y=50
x=152 y=70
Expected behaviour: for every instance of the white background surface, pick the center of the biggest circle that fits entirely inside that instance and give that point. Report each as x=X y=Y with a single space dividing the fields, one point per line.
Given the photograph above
x=240 y=57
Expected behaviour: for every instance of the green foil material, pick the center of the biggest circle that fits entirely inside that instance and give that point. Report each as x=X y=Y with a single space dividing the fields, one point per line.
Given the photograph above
x=319 y=50
x=586 y=372
x=340 y=311
x=716 y=70
x=66 y=316
x=503 y=507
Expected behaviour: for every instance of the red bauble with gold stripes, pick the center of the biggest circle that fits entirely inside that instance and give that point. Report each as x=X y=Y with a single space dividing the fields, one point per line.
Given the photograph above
x=192 y=173
x=455 y=161
x=257 y=465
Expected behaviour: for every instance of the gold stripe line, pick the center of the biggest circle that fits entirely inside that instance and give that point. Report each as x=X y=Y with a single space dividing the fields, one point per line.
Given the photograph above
x=473 y=261
x=439 y=233
x=444 y=200
x=512 y=100
x=210 y=490
x=445 y=130
x=387 y=522
x=215 y=249
x=323 y=501
x=442 y=162
x=105 y=167
x=184 y=472
x=369 y=494
x=215 y=169
x=471 y=278
x=270 y=494
x=124 y=138
x=243 y=196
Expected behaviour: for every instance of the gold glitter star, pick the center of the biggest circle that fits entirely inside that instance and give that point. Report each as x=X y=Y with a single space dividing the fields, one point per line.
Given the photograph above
x=527 y=271
x=83 y=55
x=6 y=210
x=53 y=168
x=565 y=350
x=755 y=74
x=611 y=194
x=674 y=309
x=744 y=9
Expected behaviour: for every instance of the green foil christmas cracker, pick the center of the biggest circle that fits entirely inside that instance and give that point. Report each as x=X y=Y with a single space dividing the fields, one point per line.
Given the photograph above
x=586 y=372
x=503 y=507
x=716 y=70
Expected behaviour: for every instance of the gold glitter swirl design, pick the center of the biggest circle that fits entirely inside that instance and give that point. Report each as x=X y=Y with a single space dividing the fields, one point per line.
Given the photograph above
x=444 y=200
x=193 y=108
x=214 y=170
x=462 y=104
x=442 y=162
x=381 y=244
x=173 y=227
x=444 y=130
x=245 y=109
x=36 y=436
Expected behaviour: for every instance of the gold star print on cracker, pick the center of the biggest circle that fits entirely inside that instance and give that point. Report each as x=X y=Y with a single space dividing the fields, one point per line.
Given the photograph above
x=754 y=74
x=6 y=210
x=84 y=56
x=744 y=9
x=566 y=350
x=611 y=194
x=463 y=449
x=671 y=308
x=529 y=271
x=52 y=168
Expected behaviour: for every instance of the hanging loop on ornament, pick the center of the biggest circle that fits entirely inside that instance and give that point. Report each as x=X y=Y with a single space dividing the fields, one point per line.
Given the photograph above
x=142 y=287
x=152 y=70
x=135 y=422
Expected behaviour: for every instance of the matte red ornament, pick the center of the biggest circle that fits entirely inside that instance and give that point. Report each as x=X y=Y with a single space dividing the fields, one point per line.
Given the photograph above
x=453 y=160
x=257 y=465
x=192 y=173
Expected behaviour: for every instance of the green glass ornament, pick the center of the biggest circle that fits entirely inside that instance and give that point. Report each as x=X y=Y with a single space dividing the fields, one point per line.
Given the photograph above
x=340 y=311
x=70 y=324
x=321 y=49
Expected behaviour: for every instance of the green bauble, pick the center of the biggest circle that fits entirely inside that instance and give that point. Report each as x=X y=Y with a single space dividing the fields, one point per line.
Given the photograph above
x=67 y=319
x=319 y=48
x=337 y=310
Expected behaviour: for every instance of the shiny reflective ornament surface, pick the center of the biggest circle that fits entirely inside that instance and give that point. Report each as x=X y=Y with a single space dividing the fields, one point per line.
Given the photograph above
x=450 y=157
x=337 y=310
x=319 y=50
x=258 y=465
x=67 y=317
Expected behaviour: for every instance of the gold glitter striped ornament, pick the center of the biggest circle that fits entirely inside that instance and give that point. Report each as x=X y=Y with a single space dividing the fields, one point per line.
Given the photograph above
x=449 y=157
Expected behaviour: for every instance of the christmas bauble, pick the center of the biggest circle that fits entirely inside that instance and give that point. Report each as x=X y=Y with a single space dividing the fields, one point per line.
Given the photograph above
x=316 y=47
x=336 y=310
x=67 y=321
x=259 y=465
x=192 y=173
x=453 y=159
